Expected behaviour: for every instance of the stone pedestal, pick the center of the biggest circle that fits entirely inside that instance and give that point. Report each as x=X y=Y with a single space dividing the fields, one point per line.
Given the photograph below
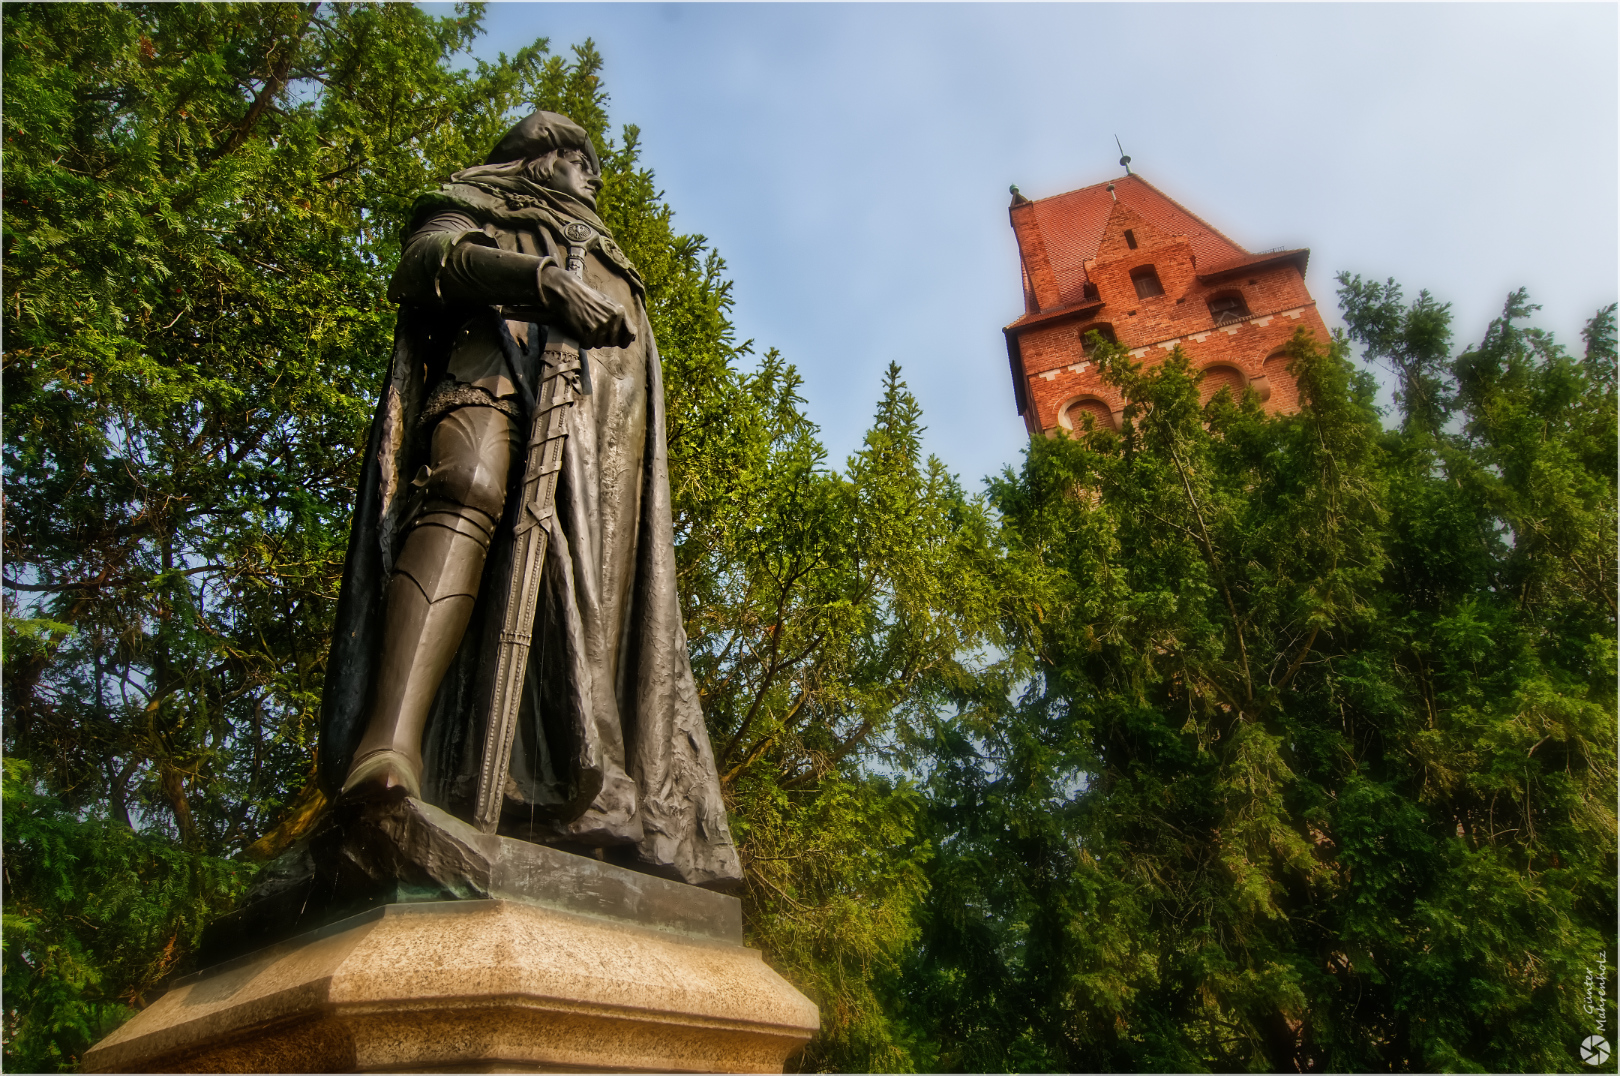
x=555 y=963
x=472 y=986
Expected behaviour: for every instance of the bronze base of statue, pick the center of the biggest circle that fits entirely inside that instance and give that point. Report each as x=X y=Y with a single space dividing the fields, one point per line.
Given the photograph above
x=391 y=848
x=424 y=945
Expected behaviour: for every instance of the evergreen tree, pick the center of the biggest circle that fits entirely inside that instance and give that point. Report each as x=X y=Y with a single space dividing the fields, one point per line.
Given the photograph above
x=1315 y=766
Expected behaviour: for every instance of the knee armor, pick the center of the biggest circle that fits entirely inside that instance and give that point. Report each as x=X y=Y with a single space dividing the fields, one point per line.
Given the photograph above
x=464 y=490
x=472 y=455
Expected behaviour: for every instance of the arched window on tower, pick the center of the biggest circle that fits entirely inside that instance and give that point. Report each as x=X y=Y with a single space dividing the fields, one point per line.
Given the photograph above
x=1147 y=282
x=1220 y=376
x=1228 y=306
x=1074 y=413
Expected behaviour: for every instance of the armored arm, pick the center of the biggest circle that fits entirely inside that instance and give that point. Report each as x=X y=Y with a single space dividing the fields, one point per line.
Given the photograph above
x=450 y=259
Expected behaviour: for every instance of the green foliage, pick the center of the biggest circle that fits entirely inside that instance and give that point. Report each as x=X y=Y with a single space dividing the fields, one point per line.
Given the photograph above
x=75 y=968
x=1317 y=767
x=831 y=614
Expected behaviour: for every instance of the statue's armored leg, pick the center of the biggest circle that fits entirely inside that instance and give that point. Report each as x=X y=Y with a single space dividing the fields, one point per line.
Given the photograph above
x=434 y=587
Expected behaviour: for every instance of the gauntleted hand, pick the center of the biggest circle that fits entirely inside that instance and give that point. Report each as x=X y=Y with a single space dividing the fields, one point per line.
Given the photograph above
x=595 y=320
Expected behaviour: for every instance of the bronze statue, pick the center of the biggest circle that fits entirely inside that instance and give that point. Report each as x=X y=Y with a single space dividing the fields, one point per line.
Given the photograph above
x=508 y=643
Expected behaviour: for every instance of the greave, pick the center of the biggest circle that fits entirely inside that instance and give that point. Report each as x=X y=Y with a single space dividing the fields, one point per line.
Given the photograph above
x=432 y=593
x=429 y=603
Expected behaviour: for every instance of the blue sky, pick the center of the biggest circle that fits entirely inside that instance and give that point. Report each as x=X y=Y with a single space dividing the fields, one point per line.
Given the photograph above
x=851 y=161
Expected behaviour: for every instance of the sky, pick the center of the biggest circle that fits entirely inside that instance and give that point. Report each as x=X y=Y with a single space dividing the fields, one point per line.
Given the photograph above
x=851 y=162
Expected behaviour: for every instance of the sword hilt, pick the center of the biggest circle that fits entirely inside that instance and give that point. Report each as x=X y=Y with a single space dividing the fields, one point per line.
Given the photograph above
x=578 y=233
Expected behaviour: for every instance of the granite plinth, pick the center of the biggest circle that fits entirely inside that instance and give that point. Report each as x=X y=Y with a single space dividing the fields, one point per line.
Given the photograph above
x=472 y=986
x=400 y=939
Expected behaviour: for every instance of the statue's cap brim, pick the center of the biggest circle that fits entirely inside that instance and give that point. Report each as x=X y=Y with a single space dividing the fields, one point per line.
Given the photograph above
x=540 y=134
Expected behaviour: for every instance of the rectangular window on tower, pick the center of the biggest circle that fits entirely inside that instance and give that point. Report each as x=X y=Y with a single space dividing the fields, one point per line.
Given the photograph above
x=1147 y=282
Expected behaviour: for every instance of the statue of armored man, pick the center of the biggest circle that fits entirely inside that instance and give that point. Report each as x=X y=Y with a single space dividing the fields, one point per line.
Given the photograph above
x=508 y=643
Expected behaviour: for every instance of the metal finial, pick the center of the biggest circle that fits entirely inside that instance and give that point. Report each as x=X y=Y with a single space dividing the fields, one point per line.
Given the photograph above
x=1111 y=193
x=1125 y=162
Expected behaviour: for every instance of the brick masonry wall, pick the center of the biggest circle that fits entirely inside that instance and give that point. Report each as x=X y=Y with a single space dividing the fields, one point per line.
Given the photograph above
x=1059 y=372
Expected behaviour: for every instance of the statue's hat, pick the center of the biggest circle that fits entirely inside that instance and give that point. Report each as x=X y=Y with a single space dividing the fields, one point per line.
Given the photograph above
x=540 y=134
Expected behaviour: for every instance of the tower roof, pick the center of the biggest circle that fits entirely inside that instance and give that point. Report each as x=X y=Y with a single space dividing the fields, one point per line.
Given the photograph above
x=1072 y=225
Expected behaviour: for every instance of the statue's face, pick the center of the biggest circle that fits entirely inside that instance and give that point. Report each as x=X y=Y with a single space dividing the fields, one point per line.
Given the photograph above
x=573 y=175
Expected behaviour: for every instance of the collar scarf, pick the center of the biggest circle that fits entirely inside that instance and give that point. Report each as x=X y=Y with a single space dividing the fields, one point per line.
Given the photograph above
x=502 y=194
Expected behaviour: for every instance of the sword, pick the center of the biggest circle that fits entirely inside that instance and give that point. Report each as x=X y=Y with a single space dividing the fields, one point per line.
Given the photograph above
x=548 y=433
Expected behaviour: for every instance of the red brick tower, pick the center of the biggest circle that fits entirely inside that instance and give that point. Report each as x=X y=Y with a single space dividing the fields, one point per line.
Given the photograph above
x=1125 y=259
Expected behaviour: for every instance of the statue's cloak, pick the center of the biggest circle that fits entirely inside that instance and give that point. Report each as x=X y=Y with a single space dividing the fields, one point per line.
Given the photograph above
x=565 y=761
